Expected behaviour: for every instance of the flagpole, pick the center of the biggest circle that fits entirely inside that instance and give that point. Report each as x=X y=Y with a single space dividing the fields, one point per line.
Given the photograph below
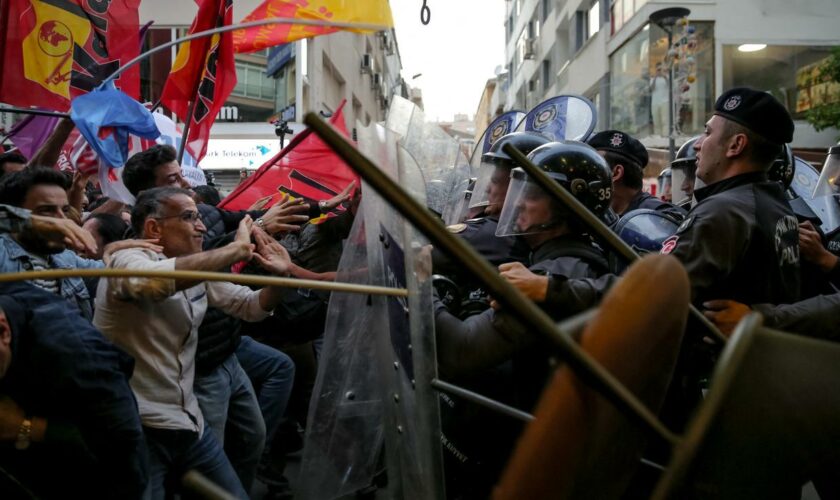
x=233 y=27
x=185 y=133
x=30 y=111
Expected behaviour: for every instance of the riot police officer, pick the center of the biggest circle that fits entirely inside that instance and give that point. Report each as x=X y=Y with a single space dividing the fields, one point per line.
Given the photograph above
x=740 y=241
x=480 y=232
x=627 y=158
x=490 y=348
x=559 y=245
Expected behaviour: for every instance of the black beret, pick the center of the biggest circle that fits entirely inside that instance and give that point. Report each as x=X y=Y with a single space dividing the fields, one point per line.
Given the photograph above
x=620 y=143
x=758 y=111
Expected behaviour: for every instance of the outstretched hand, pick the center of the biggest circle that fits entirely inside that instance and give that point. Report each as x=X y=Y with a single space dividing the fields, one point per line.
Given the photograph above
x=271 y=255
x=285 y=216
x=725 y=314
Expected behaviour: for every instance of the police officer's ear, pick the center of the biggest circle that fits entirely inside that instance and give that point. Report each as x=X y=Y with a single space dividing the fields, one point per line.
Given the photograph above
x=617 y=173
x=736 y=145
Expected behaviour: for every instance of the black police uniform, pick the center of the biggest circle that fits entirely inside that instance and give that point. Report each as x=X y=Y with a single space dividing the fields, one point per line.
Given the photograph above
x=480 y=233
x=645 y=200
x=740 y=242
x=491 y=337
x=496 y=356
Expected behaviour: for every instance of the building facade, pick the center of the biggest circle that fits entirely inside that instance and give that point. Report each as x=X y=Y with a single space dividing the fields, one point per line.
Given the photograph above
x=609 y=51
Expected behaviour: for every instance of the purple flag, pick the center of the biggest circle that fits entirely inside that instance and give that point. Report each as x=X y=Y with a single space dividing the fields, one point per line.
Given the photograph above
x=31 y=133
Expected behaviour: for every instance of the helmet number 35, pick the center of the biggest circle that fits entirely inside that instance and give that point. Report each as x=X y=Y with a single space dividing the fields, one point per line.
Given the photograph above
x=603 y=194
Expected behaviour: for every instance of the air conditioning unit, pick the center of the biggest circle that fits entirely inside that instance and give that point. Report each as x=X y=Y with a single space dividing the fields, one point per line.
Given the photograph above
x=530 y=48
x=367 y=63
x=376 y=81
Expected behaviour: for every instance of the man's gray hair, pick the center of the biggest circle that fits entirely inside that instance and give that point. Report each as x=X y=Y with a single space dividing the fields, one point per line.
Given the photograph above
x=149 y=204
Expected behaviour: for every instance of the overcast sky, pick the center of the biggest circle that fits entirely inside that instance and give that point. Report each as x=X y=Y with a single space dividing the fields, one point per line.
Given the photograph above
x=456 y=52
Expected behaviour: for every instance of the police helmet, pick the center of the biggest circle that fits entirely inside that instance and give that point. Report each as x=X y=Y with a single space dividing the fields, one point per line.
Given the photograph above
x=576 y=166
x=645 y=231
x=783 y=167
x=683 y=173
x=488 y=174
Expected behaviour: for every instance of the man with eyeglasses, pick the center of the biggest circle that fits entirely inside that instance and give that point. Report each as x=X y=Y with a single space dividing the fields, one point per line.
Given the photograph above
x=157 y=320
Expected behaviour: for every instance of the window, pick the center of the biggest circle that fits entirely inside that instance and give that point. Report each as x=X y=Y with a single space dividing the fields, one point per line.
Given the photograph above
x=594 y=19
x=639 y=88
x=252 y=82
x=546 y=74
x=545 y=8
x=581 y=28
x=789 y=73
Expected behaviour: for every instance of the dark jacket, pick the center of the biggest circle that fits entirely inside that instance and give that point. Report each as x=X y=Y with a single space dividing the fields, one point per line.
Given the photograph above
x=645 y=200
x=63 y=369
x=740 y=242
x=491 y=337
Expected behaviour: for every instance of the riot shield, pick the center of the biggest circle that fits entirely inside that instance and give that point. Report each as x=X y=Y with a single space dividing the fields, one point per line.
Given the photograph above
x=460 y=192
x=563 y=117
x=502 y=125
x=373 y=387
x=826 y=207
x=434 y=151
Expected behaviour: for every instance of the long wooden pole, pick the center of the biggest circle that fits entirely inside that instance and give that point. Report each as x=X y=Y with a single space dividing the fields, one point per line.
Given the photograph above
x=241 y=279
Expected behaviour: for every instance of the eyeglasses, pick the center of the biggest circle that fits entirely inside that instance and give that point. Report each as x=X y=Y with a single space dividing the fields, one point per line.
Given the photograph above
x=190 y=216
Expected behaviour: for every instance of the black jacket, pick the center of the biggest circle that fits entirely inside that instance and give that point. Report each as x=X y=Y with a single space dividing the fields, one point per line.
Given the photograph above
x=645 y=200
x=740 y=242
x=484 y=340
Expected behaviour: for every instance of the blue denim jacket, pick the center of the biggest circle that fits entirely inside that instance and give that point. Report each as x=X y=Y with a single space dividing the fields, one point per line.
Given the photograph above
x=13 y=259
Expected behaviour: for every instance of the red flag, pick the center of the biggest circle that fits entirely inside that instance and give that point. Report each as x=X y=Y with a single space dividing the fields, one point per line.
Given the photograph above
x=204 y=71
x=306 y=168
x=55 y=50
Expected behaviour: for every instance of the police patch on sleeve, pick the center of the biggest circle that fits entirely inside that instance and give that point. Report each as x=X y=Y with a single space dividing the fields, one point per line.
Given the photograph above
x=669 y=244
x=456 y=228
x=685 y=224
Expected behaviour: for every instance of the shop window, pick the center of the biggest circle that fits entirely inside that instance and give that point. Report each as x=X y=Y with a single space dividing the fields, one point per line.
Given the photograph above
x=639 y=84
x=790 y=73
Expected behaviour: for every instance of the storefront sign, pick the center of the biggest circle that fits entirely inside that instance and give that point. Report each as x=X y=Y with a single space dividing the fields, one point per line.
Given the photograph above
x=229 y=154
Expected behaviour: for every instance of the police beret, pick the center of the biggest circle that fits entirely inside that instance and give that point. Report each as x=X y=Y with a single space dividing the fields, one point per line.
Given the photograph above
x=620 y=143
x=758 y=111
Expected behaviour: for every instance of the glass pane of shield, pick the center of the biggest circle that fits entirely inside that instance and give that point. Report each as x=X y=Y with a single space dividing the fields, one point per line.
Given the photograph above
x=826 y=207
x=563 y=117
x=373 y=406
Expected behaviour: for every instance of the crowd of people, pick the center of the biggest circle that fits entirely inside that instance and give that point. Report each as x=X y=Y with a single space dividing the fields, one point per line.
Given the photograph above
x=117 y=386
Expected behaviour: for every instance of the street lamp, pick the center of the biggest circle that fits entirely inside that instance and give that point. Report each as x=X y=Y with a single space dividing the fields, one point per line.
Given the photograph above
x=666 y=19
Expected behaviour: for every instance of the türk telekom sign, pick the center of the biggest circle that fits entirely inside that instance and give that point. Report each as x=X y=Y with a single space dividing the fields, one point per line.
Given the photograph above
x=230 y=154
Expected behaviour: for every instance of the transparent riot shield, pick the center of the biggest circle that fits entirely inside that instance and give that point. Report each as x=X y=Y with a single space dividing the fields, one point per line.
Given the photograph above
x=373 y=407
x=563 y=117
x=806 y=181
x=502 y=125
x=460 y=191
x=434 y=151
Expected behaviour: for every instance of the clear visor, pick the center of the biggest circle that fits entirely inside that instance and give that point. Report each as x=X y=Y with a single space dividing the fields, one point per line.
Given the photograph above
x=491 y=187
x=829 y=181
x=682 y=183
x=527 y=209
x=664 y=186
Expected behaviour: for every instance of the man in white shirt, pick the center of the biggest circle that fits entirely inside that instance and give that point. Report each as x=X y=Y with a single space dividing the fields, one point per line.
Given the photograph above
x=156 y=321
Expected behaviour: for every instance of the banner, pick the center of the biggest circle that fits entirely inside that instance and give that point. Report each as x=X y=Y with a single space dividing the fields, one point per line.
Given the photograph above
x=305 y=168
x=203 y=72
x=258 y=38
x=55 y=50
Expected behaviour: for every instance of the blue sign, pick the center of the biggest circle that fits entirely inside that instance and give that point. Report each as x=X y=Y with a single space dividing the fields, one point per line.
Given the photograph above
x=278 y=56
